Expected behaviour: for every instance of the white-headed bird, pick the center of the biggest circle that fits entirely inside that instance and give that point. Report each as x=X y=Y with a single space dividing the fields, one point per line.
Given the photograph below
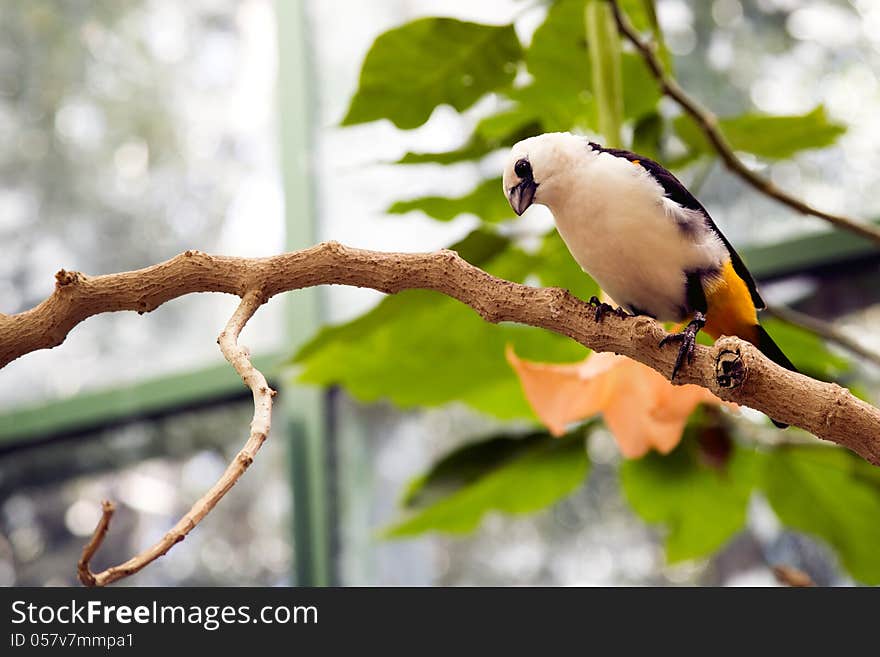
x=642 y=236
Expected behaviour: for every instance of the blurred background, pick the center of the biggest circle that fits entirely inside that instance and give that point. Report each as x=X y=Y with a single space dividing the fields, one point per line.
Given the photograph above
x=131 y=130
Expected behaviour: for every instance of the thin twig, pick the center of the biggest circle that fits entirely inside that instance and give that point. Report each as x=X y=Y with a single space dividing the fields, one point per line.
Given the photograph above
x=86 y=576
x=708 y=123
x=238 y=357
x=823 y=329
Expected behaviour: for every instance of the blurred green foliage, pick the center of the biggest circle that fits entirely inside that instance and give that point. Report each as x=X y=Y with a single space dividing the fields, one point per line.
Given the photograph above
x=831 y=494
x=510 y=475
x=486 y=201
x=419 y=348
x=700 y=505
x=769 y=137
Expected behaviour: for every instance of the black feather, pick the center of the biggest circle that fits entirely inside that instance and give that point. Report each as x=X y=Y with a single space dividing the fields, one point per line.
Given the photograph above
x=676 y=191
x=770 y=349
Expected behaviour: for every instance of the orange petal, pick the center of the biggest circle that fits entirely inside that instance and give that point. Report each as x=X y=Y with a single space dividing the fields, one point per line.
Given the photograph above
x=561 y=394
x=628 y=414
x=641 y=408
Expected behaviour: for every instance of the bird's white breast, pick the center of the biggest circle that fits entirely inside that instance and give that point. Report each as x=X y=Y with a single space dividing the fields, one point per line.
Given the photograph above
x=622 y=230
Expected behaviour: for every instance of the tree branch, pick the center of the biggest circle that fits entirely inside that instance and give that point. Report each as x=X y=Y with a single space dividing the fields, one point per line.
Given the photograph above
x=708 y=123
x=239 y=359
x=732 y=369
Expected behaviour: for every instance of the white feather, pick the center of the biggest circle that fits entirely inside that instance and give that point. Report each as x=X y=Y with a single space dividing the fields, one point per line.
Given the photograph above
x=618 y=224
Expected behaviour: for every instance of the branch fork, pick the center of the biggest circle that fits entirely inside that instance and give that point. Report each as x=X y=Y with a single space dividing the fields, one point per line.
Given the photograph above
x=239 y=358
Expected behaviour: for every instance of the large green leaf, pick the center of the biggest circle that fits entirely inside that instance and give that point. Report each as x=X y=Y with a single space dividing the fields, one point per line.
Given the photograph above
x=412 y=69
x=771 y=137
x=539 y=474
x=832 y=494
x=486 y=200
x=558 y=61
x=420 y=348
x=557 y=56
x=700 y=506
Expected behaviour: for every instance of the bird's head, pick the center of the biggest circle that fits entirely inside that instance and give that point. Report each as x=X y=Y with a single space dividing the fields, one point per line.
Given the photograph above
x=537 y=168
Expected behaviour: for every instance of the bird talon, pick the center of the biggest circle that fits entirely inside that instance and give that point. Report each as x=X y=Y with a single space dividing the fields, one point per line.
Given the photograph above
x=688 y=339
x=603 y=309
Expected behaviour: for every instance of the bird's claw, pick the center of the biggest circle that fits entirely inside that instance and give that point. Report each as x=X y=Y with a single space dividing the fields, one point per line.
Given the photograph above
x=688 y=339
x=603 y=309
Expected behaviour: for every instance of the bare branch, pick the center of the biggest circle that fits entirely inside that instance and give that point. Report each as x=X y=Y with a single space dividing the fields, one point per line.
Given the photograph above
x=708 y=123
x=732 y=369
x=238 y=357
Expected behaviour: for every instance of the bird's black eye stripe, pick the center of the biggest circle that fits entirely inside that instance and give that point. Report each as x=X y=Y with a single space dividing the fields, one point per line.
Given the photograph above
x=523 y=169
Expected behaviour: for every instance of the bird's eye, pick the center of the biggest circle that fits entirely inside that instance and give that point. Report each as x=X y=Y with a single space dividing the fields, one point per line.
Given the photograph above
x=523 y=169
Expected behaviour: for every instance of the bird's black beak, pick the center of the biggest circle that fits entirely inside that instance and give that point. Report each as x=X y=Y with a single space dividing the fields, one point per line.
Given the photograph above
x=521 y=196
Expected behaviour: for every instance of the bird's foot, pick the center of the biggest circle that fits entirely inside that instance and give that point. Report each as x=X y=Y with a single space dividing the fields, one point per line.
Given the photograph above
x=603 y=309
x=688 y=339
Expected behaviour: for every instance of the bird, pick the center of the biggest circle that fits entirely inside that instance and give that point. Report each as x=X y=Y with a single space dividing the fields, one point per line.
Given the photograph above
x=643 y=237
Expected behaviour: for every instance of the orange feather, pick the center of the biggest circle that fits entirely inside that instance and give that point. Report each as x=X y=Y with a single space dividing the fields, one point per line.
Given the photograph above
x=730 y=307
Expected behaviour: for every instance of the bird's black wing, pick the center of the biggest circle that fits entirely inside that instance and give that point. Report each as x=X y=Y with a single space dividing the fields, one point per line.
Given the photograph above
x=676 y=191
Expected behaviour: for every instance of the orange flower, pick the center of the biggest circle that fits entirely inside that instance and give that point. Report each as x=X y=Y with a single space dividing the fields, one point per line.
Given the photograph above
x=639 y=405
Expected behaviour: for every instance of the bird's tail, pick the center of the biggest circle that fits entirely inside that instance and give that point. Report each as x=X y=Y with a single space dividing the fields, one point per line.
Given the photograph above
x=769 y=348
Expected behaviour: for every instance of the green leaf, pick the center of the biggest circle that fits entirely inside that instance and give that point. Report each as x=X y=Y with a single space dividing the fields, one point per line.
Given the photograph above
x=463 y=466
x=700 y=506
x=420 y=348
x=558 y=61
x=807 y=350
x=500 y=130
x=559 y=112
x=771 y=137
x=557 y=56
x=641 y=95
x=486 y=201
x=412 y=69
x=473 y=149
x=648 y=135
x=640 y=13
x=539 y=475
x=832 y=494
x=508 y=125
